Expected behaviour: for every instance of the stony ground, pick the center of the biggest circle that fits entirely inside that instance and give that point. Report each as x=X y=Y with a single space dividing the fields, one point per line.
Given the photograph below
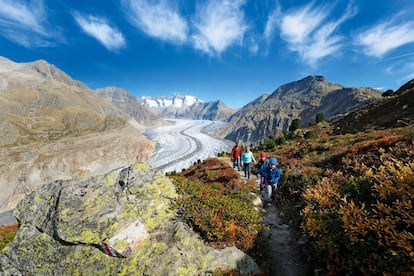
x=283 y=256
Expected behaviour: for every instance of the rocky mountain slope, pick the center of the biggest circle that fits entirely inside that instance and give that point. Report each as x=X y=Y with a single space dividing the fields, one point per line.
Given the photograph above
x=393 y=111
x=187 y=107
x=302 y=99
x=128 y=103
x=53 y=127
x=119 y=223
x=39 y=102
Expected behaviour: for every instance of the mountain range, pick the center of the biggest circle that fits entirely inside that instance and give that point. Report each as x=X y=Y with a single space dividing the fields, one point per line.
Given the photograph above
x=271 y=115
x=187 y=107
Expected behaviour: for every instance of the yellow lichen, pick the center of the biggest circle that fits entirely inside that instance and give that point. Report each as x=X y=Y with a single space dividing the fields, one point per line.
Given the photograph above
x=141 y=166
x=37 y=199
x=88 y=236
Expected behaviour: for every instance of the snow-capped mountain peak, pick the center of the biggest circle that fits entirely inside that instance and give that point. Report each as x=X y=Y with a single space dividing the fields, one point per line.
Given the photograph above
x=176 y=101
x=186 y=106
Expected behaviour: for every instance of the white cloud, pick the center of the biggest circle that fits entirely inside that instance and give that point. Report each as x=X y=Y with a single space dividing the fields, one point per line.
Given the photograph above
x=159 y=19
x=296 y=27
x=273 y=20
x=99 y=29
x=307 y=31
x=219 y=24
x=384 y=37
x=24 y=23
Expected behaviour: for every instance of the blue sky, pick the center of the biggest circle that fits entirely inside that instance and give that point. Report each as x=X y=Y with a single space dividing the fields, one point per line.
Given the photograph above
x=232 y=50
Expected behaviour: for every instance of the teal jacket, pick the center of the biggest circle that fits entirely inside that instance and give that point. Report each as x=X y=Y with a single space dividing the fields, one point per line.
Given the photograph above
x=247 y=157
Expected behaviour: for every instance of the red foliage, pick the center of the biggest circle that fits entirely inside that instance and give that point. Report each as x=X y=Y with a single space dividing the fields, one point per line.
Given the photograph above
x=214 y=170
x=374 y=145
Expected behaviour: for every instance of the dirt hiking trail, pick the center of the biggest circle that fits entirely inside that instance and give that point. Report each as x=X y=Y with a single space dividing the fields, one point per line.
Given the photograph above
x=285 y=257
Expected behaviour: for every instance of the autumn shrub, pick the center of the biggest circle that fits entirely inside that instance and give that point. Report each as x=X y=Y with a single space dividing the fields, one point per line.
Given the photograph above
x=228 y=218
x=223 y=214
x=7 y=233
x=371 y=145
x=360 y=219
x=341 y=189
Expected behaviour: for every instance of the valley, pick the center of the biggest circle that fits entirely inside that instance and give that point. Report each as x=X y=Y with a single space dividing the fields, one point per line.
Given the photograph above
x=182 y=144
x=349 y=151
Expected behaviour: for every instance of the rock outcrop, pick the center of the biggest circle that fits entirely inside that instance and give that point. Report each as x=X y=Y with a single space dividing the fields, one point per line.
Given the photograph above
x=120 y=223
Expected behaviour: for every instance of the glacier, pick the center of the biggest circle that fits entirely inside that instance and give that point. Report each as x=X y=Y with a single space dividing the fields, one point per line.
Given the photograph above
x=185 y=142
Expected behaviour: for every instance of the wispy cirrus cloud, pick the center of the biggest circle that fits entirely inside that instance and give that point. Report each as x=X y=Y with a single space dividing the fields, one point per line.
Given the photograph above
x=218 y=24
x=401 y=66
x=273 y=20
x=159 y=19
x=380 y=39
x=25 y=23
x=308 y=31
x=98 y=28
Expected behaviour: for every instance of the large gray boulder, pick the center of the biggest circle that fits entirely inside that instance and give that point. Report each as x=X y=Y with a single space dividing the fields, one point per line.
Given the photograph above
x=120 y=223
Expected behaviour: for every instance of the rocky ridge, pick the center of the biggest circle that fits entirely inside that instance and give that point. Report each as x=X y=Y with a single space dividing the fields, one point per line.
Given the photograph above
x=119 y=223
x=39 y=102
x=128 y=103
x=396 y=110
x=303 y=99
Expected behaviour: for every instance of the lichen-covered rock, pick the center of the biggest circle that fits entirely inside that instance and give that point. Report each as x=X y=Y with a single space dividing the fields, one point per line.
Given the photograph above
x=120 y=223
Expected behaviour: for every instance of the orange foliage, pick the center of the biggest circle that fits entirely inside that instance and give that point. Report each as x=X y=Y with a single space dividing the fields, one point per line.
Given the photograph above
x=7 y=233
x=379 y=218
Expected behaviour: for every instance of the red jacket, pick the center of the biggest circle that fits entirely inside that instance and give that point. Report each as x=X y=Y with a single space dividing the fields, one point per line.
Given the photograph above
x=235 y=152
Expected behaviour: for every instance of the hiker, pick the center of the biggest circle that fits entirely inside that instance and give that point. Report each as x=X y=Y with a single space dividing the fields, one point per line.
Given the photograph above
x=272 y=175
x=235 y=156
x=262 y=163
x=247 y=159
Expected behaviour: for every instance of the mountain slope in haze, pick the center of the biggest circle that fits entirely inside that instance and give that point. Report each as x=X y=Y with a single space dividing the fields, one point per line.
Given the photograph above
x=302 y=99
x=54 y=127
x=39 y=102
x=187 y=107
x=392 y=111
x=128 y=103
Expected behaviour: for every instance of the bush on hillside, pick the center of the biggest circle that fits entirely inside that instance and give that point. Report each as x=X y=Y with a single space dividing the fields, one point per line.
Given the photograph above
x=7 y=233
x=360 y=218
x=218 y=207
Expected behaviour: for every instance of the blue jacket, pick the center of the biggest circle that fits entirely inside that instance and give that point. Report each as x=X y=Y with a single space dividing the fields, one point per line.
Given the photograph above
x=271 y=177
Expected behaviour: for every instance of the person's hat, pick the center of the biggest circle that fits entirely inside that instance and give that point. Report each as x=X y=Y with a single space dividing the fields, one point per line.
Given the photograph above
x=272 y=161
x=263 y=154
